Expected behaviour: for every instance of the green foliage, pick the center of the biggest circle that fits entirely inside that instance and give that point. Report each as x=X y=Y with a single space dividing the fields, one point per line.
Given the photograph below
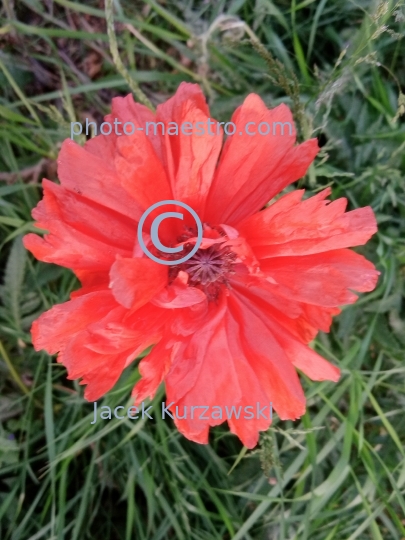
x=339 y=473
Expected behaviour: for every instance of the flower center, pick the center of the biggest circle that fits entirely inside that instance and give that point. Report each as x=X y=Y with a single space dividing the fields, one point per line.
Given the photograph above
x=209 y=265
x=208 y=269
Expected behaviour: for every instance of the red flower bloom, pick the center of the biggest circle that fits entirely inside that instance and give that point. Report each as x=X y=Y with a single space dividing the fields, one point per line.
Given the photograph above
x=230 y=325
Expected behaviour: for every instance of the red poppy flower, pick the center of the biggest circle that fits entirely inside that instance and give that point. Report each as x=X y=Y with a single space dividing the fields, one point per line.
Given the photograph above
x=231 y=325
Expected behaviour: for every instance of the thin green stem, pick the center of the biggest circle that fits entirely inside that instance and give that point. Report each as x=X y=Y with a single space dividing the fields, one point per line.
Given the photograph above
x=140 y=96
x=13 y=372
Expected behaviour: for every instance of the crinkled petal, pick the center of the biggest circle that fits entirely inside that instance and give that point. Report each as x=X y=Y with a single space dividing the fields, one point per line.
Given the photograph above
x=253 y=398
x=96 y=178
x=54 y=328
x=276 y=373
x=179 y=295
x=82 y=235
x=289 y=312
x=294 y=347
x=217 y=384
x=125 y=109
x=134 y=282
x=100 y=352
x=138 y=167
x=190 y=159
x=325 y=279
x=153 y=369
x=187 y=364
x=252 y=169
x=291 y=226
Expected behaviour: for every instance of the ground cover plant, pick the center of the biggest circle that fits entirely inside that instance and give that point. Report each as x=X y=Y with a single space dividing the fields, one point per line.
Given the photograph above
x=339 y=472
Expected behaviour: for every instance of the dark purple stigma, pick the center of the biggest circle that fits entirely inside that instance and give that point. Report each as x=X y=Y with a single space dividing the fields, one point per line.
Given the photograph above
x=208 y=269
x=207 y=265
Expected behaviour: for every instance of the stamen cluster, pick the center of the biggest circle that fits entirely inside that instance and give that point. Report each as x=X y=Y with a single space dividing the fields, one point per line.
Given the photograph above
x=208 y=269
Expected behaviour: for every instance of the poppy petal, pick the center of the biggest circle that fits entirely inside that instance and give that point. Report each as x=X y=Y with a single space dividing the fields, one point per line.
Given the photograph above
x=76 y=239
x=56 y=326
x=95 y=178
x=323 y=279
x=275 y=372
x=291 y=226
x=252 y=169
x=134 y=282
x=190 y=159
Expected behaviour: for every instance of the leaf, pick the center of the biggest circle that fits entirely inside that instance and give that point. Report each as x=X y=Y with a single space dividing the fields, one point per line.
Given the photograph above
x=13 y=279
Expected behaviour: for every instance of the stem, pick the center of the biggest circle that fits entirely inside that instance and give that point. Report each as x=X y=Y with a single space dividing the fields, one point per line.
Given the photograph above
x=134 y=86
x=13 y=372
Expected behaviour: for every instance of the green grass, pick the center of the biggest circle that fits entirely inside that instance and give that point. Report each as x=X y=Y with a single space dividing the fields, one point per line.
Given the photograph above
x=339 y=473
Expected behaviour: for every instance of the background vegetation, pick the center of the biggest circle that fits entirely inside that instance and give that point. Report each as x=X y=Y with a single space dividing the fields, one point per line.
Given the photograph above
x=339 y=473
